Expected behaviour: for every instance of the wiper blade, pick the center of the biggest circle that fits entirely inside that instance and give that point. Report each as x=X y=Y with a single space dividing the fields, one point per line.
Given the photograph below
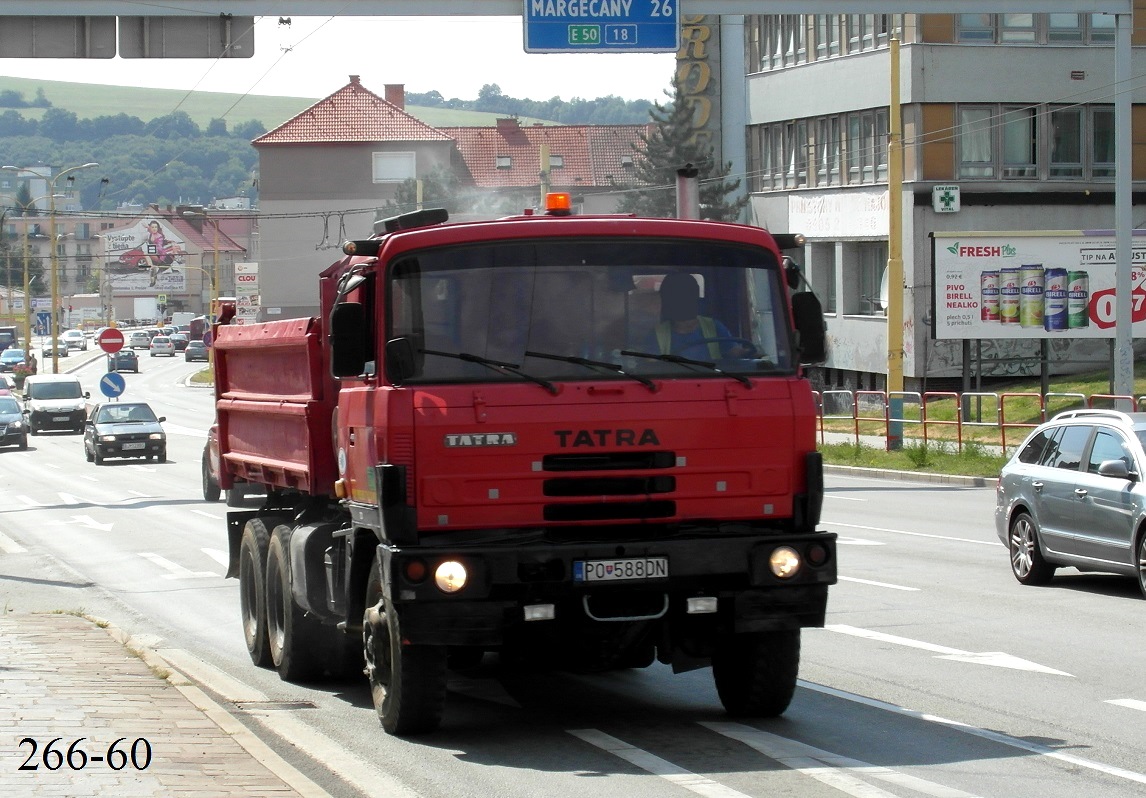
x=497 y=365
x=601 y=364
x=687 y=361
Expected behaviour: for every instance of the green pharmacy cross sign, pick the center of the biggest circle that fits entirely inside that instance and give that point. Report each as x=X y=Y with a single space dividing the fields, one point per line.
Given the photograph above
x=602 y=26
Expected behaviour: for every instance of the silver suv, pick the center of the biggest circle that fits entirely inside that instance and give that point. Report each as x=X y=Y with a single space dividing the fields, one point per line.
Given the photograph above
x=1074 y=494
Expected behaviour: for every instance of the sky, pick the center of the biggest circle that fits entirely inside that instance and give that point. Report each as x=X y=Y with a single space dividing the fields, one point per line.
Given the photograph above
x=313 y=57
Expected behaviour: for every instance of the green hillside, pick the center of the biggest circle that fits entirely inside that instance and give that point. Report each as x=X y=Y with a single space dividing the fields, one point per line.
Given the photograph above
x=87 y=101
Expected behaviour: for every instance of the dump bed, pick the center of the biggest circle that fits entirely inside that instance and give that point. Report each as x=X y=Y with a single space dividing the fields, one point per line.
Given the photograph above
x=274 y=401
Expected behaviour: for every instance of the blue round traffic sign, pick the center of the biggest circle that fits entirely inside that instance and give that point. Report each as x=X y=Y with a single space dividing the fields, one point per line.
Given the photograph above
x=112 y=384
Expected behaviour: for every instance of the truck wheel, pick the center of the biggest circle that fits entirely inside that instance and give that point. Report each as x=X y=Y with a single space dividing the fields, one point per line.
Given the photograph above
x=211 y=491
x=408 y=682
x=252 y=589
x=756 y=674
x=296 y=640
x=236 y=497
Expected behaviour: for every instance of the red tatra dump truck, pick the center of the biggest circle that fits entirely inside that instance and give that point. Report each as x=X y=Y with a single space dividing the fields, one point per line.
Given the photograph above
x=577 y=442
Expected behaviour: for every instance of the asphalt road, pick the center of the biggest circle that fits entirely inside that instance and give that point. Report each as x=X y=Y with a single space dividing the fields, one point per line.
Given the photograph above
x=937 y=675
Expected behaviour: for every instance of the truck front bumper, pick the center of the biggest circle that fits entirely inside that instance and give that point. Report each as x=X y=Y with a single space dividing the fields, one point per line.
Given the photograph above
x=725 y=583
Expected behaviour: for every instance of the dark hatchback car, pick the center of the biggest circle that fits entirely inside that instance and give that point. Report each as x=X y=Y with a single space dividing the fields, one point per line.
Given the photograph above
x=1074 y=495
x=124 y=429
x=123 y=360
x=13 y=425
x=196 y=350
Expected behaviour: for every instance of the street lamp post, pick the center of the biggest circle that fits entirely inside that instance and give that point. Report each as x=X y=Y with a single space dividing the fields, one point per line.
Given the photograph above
x=54 y=260
x=27 y=281
x=214 y=310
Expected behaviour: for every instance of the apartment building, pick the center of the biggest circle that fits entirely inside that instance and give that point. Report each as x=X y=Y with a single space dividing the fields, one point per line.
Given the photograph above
x=1014 y=110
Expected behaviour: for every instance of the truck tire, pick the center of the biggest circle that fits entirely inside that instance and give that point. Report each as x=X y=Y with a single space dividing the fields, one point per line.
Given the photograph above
x=211 y=490
x=236 y=497
x=296 y=640
x=407 y=682
x=252 y=589
x=756 y=674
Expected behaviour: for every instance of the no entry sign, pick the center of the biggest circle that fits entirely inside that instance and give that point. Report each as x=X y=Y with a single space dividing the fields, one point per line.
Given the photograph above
x=110 y=340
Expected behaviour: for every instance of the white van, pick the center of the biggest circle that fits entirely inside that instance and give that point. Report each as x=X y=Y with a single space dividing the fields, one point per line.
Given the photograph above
x=54 y=401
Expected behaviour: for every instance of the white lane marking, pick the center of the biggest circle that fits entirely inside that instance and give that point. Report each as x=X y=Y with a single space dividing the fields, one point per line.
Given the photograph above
x=995 y=658
x=218 y=555
x=875 y=584
x=915 y=534
x=69 y=499
x=83 y=520
x=9 y=546
x=334 y=757
x=174 y=570
x=1129 y=703
x=141 y=495
x=844 y=498
x=655 y=765
x=996 y=737
x=176 y=429
x=89 y=477
x=205 y=514
x=30 y=502
x=823 y=766
x=846 y=541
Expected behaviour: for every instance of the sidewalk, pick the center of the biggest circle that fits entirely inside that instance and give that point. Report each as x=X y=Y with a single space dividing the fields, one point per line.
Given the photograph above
x=124 y=723
x=68 y=677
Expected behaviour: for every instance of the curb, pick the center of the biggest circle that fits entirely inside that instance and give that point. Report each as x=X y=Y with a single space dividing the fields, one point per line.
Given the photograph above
x=913 y=476
x=227 y=723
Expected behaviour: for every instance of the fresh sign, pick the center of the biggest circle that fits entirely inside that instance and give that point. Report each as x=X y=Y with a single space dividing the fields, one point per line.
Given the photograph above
x=1033 y=284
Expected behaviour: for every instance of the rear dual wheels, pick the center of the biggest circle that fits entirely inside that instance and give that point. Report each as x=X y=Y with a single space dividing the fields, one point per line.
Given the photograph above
x=296 y=640
x=252 y=589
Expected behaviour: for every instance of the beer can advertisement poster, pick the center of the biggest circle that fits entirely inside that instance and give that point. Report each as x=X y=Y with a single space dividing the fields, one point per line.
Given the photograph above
x=1032 y=284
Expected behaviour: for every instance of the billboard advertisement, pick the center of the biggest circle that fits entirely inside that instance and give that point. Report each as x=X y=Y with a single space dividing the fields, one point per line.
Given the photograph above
x=146 y=258
x=1032 y=284
x=246 y=293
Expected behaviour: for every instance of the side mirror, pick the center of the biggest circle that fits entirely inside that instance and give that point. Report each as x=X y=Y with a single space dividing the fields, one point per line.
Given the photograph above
x=1115 y=469
x=402 y=360
x=792 y=274
x=808 y=316
x=347 y=339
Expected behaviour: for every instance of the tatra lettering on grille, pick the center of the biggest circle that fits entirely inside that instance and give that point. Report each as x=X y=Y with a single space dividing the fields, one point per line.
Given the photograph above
x=567 y=438
x=481 y=439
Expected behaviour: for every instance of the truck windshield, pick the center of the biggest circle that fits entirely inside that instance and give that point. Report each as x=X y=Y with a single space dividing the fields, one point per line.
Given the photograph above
x=592 y=309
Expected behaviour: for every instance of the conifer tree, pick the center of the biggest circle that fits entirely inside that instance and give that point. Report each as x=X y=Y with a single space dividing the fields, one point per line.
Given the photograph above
x=668 y=147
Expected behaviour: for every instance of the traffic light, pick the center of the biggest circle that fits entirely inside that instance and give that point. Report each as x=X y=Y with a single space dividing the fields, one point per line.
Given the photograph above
x=69 y=308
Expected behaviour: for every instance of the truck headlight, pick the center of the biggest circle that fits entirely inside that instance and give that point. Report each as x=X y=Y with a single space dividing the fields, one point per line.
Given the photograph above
x=450 y=576
x=784 y=562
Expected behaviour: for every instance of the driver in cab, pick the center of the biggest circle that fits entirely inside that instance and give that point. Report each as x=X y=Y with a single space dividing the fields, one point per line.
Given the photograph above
x=682 y=330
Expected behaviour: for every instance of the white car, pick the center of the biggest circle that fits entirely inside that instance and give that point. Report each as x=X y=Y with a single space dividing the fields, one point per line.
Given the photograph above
x=75 y=339
x=161 y=345
x=139 y=340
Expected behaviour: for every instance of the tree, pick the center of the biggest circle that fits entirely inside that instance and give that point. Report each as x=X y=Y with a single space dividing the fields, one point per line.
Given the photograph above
x=24 y=206
x=671 y=145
